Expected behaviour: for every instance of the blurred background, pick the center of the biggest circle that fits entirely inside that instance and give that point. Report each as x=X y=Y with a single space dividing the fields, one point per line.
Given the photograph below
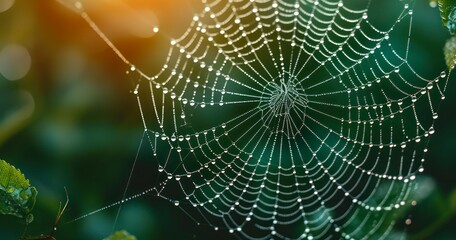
x=68 y=118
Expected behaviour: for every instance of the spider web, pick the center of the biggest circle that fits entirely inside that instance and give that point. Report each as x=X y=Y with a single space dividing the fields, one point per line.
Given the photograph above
x=290 y=119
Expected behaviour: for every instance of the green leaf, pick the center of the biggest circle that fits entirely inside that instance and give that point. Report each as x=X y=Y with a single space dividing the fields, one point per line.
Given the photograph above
x=448 y=14
x=121 y=235
x=450 y=52
x=17 y=197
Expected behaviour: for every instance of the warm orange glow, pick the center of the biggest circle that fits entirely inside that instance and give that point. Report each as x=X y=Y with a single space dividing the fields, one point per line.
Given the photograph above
x=140 y=18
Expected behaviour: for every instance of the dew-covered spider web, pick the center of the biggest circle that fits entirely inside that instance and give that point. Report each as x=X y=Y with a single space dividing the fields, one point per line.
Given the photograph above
x=300 y=119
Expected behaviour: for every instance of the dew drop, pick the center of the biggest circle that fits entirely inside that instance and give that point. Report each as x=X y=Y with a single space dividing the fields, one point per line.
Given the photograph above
x=443 y=74
x=77 y=5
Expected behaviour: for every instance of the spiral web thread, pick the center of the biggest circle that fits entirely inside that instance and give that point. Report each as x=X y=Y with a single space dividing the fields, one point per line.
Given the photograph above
x=295 y=119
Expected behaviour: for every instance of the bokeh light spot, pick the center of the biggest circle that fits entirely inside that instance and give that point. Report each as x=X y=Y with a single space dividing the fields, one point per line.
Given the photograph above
x=5 y=5
x=15 y=62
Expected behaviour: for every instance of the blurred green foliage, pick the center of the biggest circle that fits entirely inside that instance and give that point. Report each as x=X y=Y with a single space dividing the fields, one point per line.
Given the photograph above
x=17 y=197
x=121 y=235
x=448 y=13
x=450 y=52
x=72 y=121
